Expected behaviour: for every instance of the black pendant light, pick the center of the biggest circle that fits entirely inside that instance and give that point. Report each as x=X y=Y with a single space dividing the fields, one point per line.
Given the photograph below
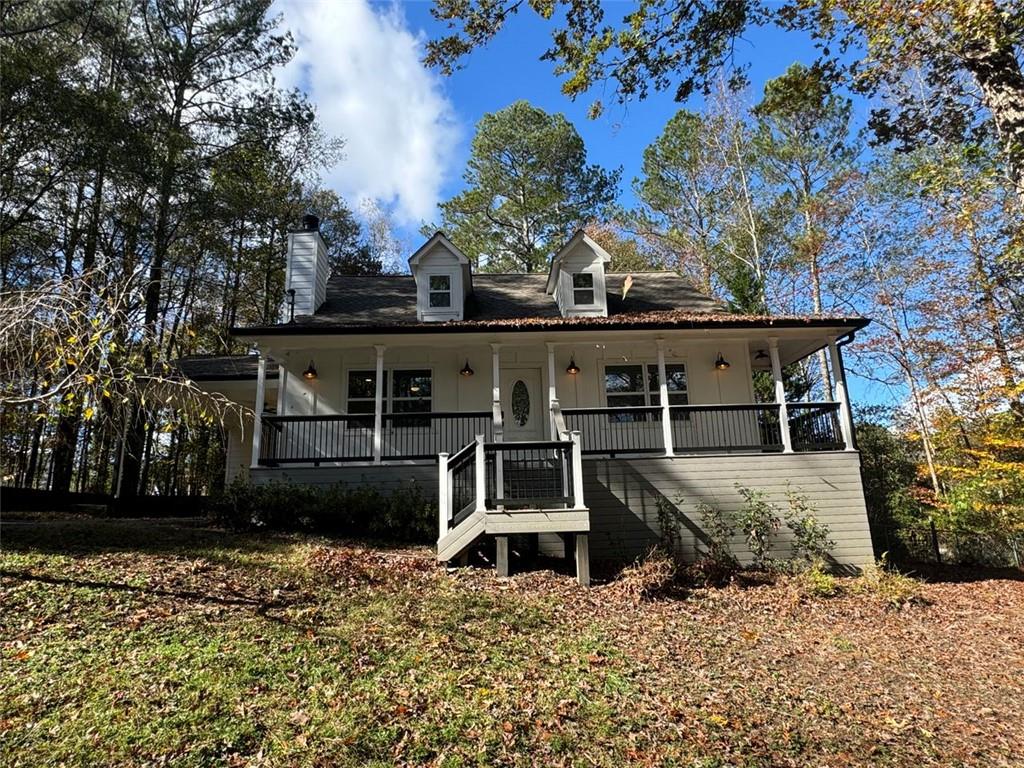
x=721 y=364
x=572 y=369
x=466 y=370
x=310 y=373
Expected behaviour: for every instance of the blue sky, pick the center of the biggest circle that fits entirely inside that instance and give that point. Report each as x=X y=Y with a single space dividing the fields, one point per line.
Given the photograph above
x=408 y=129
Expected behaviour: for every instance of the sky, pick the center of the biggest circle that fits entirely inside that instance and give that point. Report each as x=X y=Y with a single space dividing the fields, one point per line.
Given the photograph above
x=408 y=129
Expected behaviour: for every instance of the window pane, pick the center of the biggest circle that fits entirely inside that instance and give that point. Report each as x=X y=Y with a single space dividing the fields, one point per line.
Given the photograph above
x=412 y=384
x=623 y=378
x=440 y=299
x=583 y=280
x=440 y=283
x=362 y=384
x=676 y=375
x=582 y=298
x=360 y=406
x=624 y=401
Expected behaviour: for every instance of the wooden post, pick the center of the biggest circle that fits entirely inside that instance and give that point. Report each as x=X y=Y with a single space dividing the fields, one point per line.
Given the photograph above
x=577 y=470
x=780 y=395
x=501 y=555
x=443 y=511
x=666 y=414
x=257 y=420
x=582 y=559
x=839 y=386
x=378 y=406
x=552 y=390
x=481 y=479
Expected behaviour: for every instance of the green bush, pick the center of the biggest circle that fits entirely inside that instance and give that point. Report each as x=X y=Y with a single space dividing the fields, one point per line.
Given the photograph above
x=759 y=520
x=816 y=581
x=403 y=515
x=811 y=540
x=895 y=590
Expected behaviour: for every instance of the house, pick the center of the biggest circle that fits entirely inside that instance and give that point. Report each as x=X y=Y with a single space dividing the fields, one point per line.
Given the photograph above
x=570 y=407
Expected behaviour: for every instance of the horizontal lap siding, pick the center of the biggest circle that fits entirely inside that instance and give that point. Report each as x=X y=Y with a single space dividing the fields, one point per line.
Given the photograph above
x=623 y=496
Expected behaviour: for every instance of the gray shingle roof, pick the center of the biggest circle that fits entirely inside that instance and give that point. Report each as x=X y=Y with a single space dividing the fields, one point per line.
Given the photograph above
x=223 y=367
x=355 y=301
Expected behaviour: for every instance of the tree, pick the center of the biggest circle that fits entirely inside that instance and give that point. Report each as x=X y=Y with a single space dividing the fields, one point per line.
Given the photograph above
x=528 y=188
x=687 y=46
x=803 y=142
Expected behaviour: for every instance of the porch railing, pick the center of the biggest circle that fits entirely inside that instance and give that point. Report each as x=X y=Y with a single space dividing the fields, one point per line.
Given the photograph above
x=611 y=431
x=425 y=435
x=815 y=426
x=340 y=438
x=700 y=428
x=495 y=476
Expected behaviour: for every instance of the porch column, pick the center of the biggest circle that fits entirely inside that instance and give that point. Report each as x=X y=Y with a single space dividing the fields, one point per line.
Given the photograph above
x=839 y=382
x=282 y=388
x=496 y=390
x=780 y=395
x=666 y=414
x=552 y=391
x=378 y=405
x=257 y=419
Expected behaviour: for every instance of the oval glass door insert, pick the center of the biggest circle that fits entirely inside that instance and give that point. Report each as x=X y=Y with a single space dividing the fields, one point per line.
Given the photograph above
x=520 y=403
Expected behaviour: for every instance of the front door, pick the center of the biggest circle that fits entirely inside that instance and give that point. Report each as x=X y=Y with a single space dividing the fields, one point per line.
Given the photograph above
x=524 y=414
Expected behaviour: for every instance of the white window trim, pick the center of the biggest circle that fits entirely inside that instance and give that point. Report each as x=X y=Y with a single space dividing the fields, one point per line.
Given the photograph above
x=431 y=291
x=593 y=289
x=456 y=289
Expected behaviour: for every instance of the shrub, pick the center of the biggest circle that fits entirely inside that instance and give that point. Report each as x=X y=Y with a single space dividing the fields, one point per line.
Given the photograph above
x=403 y=515
x=894 y=589
x=811 y=542
x=759 y=520
x=717 y=564
x=816 y=581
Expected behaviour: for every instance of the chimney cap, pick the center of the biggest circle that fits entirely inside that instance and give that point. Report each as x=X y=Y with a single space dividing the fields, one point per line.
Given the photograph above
x=310 y=223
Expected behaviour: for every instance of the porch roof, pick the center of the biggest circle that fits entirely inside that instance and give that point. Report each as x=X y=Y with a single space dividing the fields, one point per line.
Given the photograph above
x=223 y=367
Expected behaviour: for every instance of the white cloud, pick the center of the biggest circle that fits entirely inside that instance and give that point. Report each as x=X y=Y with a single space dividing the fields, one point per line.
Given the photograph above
x=361 y=67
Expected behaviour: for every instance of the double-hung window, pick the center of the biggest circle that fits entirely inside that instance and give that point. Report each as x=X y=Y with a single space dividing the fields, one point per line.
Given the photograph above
x=636 y=385
x=583 y=289
x=405 y=391
x=440 y=290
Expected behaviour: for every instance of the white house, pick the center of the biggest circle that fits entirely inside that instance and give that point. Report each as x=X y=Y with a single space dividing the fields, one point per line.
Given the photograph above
x=566 y=405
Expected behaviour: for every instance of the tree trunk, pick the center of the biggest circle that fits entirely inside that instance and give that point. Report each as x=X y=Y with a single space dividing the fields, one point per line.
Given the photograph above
x=991 y=59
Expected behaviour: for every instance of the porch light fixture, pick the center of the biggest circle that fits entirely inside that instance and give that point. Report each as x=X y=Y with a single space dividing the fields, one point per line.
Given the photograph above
x=721 y=364
x=310 y=373
x=466 y=370
x=572 y=368
x=761 y=355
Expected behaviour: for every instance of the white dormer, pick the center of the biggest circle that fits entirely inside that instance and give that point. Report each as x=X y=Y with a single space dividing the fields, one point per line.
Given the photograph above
x=576 y=279
x=443 y=280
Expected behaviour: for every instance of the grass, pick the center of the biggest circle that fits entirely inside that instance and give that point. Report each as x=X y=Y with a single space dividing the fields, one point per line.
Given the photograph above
x=137 y=642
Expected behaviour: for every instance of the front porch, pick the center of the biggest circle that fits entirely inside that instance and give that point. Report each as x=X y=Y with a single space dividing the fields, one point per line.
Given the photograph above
x=506 y=451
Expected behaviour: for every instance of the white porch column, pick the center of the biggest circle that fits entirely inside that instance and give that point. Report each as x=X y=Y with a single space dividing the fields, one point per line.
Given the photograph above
x=839 y=387
x=257 y=419
x=443 y=513
x=282 y=388
x=496 y=390
x=780 y=395
x=666 y=414
x=378 y=405
x=552 y=390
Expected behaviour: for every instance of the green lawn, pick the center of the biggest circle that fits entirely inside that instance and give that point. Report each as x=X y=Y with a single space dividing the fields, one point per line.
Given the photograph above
x=142 y=642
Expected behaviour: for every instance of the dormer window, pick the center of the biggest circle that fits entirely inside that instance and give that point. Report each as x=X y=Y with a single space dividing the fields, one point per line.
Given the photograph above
x=440 y=291
x=583 y=289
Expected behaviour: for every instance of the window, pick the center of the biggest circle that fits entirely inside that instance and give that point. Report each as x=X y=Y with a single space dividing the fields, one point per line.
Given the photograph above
x=440 y=291
x=405 y=391
x=582 y=289
x=627 y=386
